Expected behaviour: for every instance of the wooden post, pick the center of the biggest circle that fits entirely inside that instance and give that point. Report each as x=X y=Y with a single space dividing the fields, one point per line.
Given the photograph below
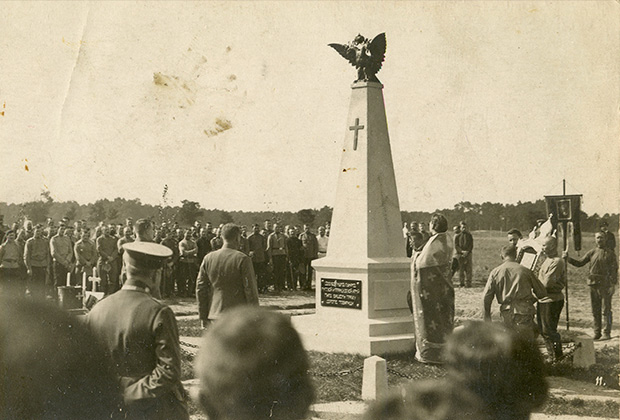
x=565 y=241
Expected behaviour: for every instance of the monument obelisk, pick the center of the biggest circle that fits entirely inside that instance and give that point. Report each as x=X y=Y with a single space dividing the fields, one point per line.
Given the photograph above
x=362 y=283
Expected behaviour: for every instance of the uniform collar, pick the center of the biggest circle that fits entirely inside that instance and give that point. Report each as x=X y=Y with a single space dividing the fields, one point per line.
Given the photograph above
x=135 y=285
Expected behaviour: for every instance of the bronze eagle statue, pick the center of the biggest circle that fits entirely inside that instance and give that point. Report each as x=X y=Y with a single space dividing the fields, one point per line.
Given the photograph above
x=365 y=55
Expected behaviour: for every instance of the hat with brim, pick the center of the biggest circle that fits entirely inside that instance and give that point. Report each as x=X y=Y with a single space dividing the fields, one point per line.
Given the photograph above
x=147 y=255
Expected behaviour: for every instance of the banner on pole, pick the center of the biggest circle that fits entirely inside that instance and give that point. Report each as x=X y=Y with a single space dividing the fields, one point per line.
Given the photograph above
x=566 y=209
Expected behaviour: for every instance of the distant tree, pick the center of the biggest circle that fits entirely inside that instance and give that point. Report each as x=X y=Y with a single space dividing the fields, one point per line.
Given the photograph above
x=190 y=212
x=71 y=212
x=46 y=195
x=98 y=211
x=324 y=215
x=37 y=211
x=306 y=216
x=112 y=213
x=226 y=217
x=492 y=216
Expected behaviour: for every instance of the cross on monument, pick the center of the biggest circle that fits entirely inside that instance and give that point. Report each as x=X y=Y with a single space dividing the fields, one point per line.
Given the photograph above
x=356 y=128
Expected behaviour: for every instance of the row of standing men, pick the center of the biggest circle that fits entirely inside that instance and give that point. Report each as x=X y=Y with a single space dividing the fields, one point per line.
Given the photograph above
x=37 y=259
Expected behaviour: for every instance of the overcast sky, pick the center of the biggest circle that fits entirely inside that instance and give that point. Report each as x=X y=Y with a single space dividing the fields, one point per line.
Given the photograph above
x=243 y=106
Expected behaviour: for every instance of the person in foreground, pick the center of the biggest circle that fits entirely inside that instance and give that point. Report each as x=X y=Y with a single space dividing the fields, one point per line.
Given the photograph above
x=432 y=293
x=501 y=365
x=429 y=399
x=141 y=336
x=252 y=366
x=51 y=367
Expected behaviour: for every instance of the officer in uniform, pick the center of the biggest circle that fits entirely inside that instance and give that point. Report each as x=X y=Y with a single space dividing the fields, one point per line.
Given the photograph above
x=141 y=335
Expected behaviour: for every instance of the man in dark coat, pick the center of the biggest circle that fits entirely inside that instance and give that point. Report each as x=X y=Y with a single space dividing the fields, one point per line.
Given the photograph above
x=295 y=258
x=225 y=279
x=464 y=247
x=140 y=334
x=310 y=247
x=610 y=239
x=204 y=244
x=257 y=245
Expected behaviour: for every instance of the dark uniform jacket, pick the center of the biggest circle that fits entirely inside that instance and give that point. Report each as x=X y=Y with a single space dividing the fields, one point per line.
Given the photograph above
x=603 y=267
x=257 y=244
x=310 y=245
x=225 y=280
x=295 y=250
x=204 y=247
x=140 y=334
x=465 y=242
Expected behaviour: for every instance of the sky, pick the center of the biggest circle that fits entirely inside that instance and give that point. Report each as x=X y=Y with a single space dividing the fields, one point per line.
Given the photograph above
x=243 y=106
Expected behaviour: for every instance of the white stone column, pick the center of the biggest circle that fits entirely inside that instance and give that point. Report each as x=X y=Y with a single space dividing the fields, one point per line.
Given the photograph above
x=362 y=283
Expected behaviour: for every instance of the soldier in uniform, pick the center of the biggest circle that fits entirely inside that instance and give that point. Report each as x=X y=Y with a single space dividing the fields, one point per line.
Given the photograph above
x=85 y=255
x=141 y=335
x=465 y=247
x=126 y=238
x=257 y=244
x=61 y=249
x=170 y=270
x=107 y=264
x=602 y=281
x=310 y=247
x=552 y=275
x=276 y=252
x=225 y=279
x=36 y=260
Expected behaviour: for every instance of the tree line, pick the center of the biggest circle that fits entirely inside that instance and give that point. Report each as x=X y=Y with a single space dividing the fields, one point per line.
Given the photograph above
x=485 y=216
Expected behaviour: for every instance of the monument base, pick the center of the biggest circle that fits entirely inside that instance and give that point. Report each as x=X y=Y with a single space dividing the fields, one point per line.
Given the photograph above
x=361 y=307
x=320 y=333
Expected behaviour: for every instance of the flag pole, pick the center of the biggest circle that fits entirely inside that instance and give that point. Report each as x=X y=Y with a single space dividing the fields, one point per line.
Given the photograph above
x=565 y=241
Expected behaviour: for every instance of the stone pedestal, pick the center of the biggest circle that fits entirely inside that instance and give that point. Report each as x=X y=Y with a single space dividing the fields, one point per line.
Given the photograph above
x=374 y=382
x=362 y=283
x=584 y=356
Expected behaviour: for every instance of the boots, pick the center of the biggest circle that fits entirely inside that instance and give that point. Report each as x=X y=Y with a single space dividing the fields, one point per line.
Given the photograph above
x=549 y=345
x=557 y=350
x=607 y=329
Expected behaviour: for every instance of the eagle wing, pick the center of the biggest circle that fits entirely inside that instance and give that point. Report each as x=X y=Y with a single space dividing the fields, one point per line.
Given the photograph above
x=345 y=51
x=377 y=50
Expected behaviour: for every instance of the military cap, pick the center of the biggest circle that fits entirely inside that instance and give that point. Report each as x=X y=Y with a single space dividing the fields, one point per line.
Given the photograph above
x=149 y=255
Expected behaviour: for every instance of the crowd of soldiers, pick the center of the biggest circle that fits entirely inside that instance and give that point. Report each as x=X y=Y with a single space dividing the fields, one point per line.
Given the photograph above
x=36 y=259
x=251 y=357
